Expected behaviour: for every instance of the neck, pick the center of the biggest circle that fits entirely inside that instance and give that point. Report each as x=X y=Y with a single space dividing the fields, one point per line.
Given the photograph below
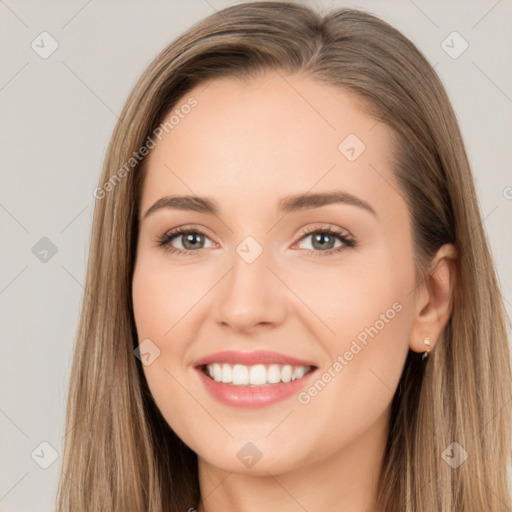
x=346 y=480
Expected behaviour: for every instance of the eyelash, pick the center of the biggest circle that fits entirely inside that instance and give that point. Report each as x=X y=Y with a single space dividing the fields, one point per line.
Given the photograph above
x=166 y=239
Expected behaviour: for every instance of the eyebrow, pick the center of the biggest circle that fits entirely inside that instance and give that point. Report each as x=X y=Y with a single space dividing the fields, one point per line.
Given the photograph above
x=286 y=204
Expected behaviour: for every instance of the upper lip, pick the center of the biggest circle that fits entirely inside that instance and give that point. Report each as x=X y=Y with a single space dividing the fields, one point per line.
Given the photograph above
x=251 y=358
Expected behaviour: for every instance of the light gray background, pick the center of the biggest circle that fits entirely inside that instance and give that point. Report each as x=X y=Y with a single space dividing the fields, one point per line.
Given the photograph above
x=58 y=115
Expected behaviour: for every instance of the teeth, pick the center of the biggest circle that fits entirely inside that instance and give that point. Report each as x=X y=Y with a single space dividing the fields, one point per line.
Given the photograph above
x=227 y=373
x=217 y=372
x=298 y=372
x=258 y=375
x=286 y=373
x=273 y=374
x=240 y=375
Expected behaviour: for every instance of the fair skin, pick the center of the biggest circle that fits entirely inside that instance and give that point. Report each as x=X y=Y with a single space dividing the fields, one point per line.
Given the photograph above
x=246 y=146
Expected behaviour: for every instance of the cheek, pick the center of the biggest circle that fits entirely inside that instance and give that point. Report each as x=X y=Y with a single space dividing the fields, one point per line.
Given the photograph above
x=365 y=324
x=152 y=306
x=166 y=306
x=365 y=359
x=355 y=387
x=158 y=305
x=356 y=301
x=161 y=297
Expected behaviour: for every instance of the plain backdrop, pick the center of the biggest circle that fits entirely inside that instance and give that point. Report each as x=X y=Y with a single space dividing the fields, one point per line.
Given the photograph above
x=58 y=114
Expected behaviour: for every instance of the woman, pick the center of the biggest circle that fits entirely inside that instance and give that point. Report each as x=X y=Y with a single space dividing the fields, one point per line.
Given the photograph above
x=222 y=365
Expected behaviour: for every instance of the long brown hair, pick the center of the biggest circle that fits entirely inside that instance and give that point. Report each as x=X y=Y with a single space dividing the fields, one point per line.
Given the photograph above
x=119 y=453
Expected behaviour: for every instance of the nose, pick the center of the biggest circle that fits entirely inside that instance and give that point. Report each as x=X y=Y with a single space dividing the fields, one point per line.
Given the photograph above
x=251 y=297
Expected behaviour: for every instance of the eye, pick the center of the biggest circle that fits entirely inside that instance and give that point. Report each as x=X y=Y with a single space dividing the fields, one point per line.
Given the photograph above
x=191 y=240
x=323 y=240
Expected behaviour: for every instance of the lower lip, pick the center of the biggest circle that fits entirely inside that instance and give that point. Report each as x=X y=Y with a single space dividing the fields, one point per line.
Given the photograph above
x=253 y=397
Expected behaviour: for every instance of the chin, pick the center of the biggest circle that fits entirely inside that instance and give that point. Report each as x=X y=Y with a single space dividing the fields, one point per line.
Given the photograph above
x=253 y=458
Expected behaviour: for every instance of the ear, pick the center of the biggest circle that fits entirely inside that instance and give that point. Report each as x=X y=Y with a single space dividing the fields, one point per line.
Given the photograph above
x=433 y=299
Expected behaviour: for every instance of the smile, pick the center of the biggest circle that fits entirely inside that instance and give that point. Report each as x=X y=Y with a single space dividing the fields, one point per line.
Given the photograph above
x=253 y=379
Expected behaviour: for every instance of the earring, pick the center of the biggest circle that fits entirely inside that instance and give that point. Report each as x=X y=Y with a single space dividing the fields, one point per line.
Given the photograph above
x=425 y=354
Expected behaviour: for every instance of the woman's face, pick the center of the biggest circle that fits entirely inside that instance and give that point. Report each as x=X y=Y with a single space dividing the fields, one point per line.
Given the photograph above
x=263 y=274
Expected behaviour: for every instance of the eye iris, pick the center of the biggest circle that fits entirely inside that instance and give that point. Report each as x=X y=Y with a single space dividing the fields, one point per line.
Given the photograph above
x=191 y=237
x=319 y=236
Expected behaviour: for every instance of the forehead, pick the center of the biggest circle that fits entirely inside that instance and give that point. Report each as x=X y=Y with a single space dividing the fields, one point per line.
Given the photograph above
x=273 y=135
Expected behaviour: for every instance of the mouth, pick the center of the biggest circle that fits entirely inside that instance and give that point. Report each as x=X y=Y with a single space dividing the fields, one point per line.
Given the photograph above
x=253 y=379
x=239 y=375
